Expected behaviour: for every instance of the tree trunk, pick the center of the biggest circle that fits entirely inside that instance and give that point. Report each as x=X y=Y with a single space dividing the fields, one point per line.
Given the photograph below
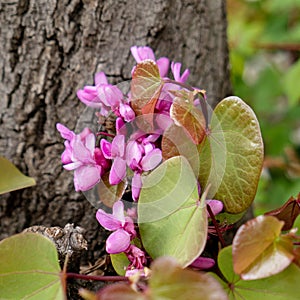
x=51 y=48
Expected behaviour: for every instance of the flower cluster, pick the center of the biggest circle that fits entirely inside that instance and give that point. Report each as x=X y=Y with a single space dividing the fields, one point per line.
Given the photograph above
x=134 y=150
x=82 y=156
x=138 y=151
x=123 y=233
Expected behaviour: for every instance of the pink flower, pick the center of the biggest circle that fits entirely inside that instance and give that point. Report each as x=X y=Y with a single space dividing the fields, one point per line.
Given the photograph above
x=142 y=156
x=175 y=67
x=81 y=156
x=106 y=97
x=143 y=53
x=115 y=151
x=202 y=263
x=137 y=257
x=123 y=227
x=215 y=205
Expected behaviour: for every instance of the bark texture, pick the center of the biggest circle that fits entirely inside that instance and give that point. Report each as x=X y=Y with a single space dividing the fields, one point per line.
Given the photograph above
x=51 y=48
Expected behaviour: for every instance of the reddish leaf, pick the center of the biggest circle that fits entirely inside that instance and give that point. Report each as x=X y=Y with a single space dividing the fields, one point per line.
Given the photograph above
x=288 y=212
x=282 y=286
x=119 y=291
x=146 y=85
x=170 y=281
x=297 y=256
x=109 y=194
x=176 y=142
x=186 y=115
x=258 y=249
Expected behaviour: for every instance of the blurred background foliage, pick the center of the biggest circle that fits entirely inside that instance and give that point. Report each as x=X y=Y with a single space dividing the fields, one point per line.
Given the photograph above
x=264 y=42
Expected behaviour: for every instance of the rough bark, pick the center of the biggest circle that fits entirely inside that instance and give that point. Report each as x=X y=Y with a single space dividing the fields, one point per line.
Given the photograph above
x=51 y=48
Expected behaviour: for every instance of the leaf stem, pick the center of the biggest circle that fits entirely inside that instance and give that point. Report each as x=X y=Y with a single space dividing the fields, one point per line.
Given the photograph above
x=183 y=85
x=96 y=278
x=212 y=216
x=203 y=104
x=105 y=134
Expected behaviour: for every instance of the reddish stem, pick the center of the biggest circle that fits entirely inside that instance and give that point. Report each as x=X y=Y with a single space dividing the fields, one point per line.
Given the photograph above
x=183 y=85
x=212 y=216
x=105 y=134
x=96 y=278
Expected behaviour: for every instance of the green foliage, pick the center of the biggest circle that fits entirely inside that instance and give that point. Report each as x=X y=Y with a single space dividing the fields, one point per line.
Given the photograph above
x=232 y=155
x=291 y=84
x=171 y=219
x=29 y=268
x=264 y=40
x=282 y=286
x=11 y=178
x=120 y=262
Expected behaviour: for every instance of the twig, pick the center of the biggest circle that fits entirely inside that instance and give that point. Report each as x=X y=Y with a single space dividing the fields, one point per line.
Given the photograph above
x=212 y=216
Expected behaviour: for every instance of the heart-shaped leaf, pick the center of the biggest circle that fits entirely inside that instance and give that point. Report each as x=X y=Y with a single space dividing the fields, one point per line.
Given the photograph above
x=282 y=286
x=188 y=116
x=231 y=156
x=171 y=218
x=169 y=281
x=11 y=178
x=258 y=249
x=29 y=268
x=146 y=85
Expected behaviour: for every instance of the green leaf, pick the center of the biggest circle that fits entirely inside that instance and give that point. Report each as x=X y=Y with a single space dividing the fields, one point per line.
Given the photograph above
x=282 y=286
x=171 y=219
x=185 y=114
x=227 y=219
x=11 y=178
x=170 y=281
x=120 y=262
x=259 y=251
x=231 y=157
x=146 y=85
x=291 y=84
x=109 y=194
x=29 y=268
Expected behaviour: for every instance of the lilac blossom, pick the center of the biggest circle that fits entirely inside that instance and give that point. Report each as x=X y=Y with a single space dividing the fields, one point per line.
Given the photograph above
x=83 y=157
x=123 y=227
x=143 y=53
